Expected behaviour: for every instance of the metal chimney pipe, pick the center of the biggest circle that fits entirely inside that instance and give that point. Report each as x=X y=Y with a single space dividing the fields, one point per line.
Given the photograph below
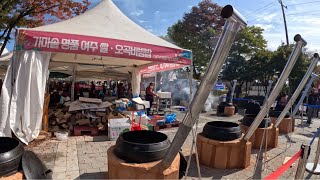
x=233 y=23
x=233 y=89
x=313 y=77
x=295 y=95
x=277 y=88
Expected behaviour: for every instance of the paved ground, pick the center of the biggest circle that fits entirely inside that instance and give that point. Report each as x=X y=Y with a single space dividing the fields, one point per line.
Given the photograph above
x=84 y=157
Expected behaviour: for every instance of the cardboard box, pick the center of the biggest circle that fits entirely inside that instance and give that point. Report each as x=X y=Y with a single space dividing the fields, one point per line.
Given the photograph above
x=117 y=126
x=140 y=107
x=164 y=95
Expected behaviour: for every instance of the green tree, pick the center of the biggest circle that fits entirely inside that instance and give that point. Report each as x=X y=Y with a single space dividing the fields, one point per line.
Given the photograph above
x=262 y=68
x=249 y=41
x=198 y=31
x=32 y=13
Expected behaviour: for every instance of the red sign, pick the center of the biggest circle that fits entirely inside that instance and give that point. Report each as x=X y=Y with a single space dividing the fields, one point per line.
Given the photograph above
x=161 y=67
x=87 y=86
x=79 y=44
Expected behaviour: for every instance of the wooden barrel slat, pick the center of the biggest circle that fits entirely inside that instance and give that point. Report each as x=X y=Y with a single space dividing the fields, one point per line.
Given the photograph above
x=286 y=126
x=119 y=169
x=229 y=110
x=223 y=154
x=256 y=139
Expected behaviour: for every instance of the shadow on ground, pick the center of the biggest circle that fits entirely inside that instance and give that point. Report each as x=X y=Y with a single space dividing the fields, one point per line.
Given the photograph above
x=207 y=172
x=96 y=175
x=100 y=138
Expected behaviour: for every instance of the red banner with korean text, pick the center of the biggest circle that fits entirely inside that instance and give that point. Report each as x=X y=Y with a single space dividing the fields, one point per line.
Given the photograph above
x=161 y=67
x=90 y=45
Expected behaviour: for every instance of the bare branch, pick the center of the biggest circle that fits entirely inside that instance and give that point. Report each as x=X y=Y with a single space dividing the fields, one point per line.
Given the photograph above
x=44 y=10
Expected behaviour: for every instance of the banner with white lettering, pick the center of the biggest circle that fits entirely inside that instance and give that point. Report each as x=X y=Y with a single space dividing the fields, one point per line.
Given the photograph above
x=80 y=44
x=161 y=67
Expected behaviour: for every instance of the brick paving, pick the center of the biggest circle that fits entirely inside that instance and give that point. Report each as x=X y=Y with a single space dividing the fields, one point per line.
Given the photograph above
x=85 y=157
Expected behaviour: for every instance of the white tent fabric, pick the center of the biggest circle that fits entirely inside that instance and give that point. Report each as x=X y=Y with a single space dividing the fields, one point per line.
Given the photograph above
x=6 y=90
x=104 y=21
x=136 y=82
x=92 y=31
x=4 y=61
x=23 y=111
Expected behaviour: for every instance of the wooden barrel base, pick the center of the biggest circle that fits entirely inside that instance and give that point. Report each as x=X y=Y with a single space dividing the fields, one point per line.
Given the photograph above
x=16 y=176
x=223 y=154
x=286 y=126
x=229 y=110
x=119 y=169
x=256 y=139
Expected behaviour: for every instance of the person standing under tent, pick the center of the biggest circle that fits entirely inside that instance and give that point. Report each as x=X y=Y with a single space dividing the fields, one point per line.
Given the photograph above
x=313 y=99
x=92 y=90
x=149 y=96
x=121 y=91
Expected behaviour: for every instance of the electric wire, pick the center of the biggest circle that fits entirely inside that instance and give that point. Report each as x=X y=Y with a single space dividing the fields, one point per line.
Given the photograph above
x=261 y=9
x=310 y=2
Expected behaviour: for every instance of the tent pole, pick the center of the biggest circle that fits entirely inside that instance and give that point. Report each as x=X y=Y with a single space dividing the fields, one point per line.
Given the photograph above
x=155 y=82
x=234 y=22
x=73 y=82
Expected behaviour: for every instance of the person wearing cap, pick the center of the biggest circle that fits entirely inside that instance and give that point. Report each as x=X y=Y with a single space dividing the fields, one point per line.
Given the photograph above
x=313 y=99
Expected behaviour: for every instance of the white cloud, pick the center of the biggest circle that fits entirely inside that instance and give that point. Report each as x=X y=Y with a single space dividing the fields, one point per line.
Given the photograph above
x=142 y=21
x=157 y=13
x=270 y=17
x=137 y=12
x=298 y=22
x=265 y=27
x=150 y=30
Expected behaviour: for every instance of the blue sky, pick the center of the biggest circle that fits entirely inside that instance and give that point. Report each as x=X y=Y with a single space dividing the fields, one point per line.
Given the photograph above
x=302 y=16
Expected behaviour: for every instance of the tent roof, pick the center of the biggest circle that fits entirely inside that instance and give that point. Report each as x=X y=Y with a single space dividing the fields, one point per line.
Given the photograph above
x=104 y=23
x=106 y=20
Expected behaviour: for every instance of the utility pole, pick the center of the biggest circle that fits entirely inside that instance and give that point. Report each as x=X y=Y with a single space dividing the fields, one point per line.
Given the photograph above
x=284 y=20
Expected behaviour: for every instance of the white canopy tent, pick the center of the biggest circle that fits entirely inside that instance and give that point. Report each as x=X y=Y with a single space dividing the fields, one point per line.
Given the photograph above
x=102 y=36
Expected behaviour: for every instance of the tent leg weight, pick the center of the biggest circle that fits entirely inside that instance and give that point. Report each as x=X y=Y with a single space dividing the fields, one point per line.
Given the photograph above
x=223 y=154
x=271 y=136
x=119 y=169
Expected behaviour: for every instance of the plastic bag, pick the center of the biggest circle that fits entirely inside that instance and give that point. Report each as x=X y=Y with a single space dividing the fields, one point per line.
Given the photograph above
x=170 y=118
x=143 y=113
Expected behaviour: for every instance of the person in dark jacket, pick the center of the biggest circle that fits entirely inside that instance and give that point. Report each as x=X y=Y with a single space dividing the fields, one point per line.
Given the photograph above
x=121 y=91
x=313 y=99
x=282 y=102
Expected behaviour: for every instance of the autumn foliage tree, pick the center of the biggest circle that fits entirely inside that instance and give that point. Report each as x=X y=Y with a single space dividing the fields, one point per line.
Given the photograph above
x=198 y=31
x=31 y=13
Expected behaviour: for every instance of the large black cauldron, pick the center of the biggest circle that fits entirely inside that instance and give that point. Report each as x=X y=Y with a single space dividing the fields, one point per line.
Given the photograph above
x=11 y=151
x=142 y=146
x=249 y=118
x=276 y=114
x=222 y=131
